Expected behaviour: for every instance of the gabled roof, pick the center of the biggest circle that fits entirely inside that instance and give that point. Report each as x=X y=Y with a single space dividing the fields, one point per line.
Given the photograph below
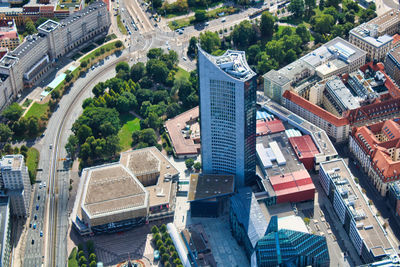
x=320 y=112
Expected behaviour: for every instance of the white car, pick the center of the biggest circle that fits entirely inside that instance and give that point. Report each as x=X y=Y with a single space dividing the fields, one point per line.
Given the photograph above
x=40 y=186
x=184 y=58
x=44 y=184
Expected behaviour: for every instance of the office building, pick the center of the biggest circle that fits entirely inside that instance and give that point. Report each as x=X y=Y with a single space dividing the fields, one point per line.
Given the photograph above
x=392 y=64
x=184 y=133
x=119 y=196
x=8 y=35
x=375 y=36
x=355 y=214
x=393 y=196
x=31 y=60
x=333 y=58
x=282 y=242
x=5 y=232
x=227 y=115
x=337 y=98
x=209 y=194
x=377 y=149
x=16 y=184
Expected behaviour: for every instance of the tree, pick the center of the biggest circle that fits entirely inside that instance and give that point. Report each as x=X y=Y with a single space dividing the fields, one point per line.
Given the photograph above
x=165 y=258
x=148 y=136
x=159 y=243
x=82 y=260
x=84 y=64
x=137 y=71
x=92 y=257
x=168 y=241
x=154 y=230
x=275 y=50
x=323 y=23
x=122 y=66
x=197 y=166
x=331 y=11
x=29 y=26
x=92 y=264
x=244 y=34
x=303 y=33
x=192 y=49
x=209 y=41
x=156 y=3
x=172 y=110
x=13 y=112
x=118 y=44
x=333 y=3
x=267 y=24
x=253 y=54
x=200 y=15
x=69 y=77
x=309 y=6
x=183 y=87
x=24 y=148
x=5 y=132
x=83 y=133
x=90 y=246
x=297 y=8
x=155 y=53
x=72 y=145
x=157 y=69
x=40 y=21
x=33 y=126
x=163 y=228
x=189 y=163
x=156 y=237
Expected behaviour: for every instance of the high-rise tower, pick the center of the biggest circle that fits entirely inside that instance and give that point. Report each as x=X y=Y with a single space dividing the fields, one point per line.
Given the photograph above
x=227 y=115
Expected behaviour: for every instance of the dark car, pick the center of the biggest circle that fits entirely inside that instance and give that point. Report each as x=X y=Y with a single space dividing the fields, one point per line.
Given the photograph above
x=35 y=217
x=37 y=207
x=33 y=241
x=38 y=197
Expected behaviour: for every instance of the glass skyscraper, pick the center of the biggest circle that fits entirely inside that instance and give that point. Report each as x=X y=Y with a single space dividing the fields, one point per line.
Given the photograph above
x=227 y=115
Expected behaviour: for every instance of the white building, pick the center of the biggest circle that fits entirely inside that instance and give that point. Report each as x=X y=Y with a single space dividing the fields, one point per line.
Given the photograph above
x=29 y=62
x=16 y=184
x=227 y=115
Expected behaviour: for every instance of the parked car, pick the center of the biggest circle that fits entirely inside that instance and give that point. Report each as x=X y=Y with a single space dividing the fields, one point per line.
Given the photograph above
x=34 y=226
x=33 y=241
x=37 y=207
x=41 y=234
x=35 y=217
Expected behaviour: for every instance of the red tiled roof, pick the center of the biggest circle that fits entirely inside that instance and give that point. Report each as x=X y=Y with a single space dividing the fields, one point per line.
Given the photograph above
x=396 y=39
x=8 y=35
x=293 y=183
x=325 y=115
x=268 y=127
x=303 y=146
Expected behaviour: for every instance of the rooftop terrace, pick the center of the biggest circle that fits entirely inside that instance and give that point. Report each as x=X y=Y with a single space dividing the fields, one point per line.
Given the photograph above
x=48 y=26
x=14 y=162
x=205 y=186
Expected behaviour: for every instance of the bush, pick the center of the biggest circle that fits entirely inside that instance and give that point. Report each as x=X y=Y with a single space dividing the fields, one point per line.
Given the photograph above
x=118 y=44
x=159 y=243
x=156 y=237
x=154 y=229
x=165 y=258
x=306 y=220
x=163 y=228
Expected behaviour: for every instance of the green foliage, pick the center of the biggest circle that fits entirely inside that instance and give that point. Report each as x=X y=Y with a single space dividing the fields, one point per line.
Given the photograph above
x=209 y=41
x=297 y=8
x=84 y=64
x=189 y=163
x=267 y=24
x=29 y=26
x=323 y=23
x=159 y=243
x=72 y=262
x=82 y=260
x=200 y=15
x=90 y=246
x=118 y=44
x=154 y=230
x=32 y=161
x=93 y=264
x=244 y=34
x=122 y=66
x=164 y=258
x=162 y=249
x=157 y=237
x=306 y=220
x=163 y=228
x=137 y=71
x=5 y=132
x=13 y=112
x=197 y=166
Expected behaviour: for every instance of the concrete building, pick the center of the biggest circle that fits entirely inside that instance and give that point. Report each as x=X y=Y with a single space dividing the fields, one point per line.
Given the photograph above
x=29 y=62
x=209 y=194
x=393 y=196
x=271 y=244
x=184 y=133
x=337 y=98
x=119 y=196
x=392 y=64
x=375 y=36
x=305 y=150
x=351 y=206
x=333 y=58
x=227 y=115
x=377 y=149
x=16 y=184
x=5 y=232
x=8 y=35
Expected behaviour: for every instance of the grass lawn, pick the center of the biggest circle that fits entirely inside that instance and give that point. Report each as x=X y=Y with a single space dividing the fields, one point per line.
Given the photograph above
x=37 y=110
x=121 y=26
x=27 y=102
x=179 y=23
x=72 y=261
x=130 y=124
x=32 y=161
x=182 y=73
x=92 y=55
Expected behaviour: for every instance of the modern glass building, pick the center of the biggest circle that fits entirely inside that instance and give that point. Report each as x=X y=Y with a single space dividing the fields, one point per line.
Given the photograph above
x=228 y=115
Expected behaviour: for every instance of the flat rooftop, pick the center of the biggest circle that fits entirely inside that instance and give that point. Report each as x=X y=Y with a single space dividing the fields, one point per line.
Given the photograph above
x=162 y=192
x=48 y=26
x=143 y=162
x=184 y=144
x=234 y=64
x=319 y=136
x=13 y=162
x=292 y=222
x=292 y=162
x=384 y=21
x=394 y=53
x=342 y=94
x=370 y=230
x=83 y=12
x=206 y=186
x=4 y=218
x=112 y=188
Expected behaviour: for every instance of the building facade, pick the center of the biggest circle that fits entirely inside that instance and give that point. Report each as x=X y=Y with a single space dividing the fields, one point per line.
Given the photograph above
x=358 y=219
x=8 y=35
x=392 y=64
x=227 y=115
x=16 y=183
x=5 y=232
x=29 y=62
x=377 y=149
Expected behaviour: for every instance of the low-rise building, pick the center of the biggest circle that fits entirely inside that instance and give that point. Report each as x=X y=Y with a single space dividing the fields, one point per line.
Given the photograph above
x=333 y=58
x=375 y=36
x=138 y=189
x=8 y=35
x=377 y=148
x=392 y=64
x=209 y=193
x=352 y=208
x=305 y=150
x=15 y=183
x=184 y=133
